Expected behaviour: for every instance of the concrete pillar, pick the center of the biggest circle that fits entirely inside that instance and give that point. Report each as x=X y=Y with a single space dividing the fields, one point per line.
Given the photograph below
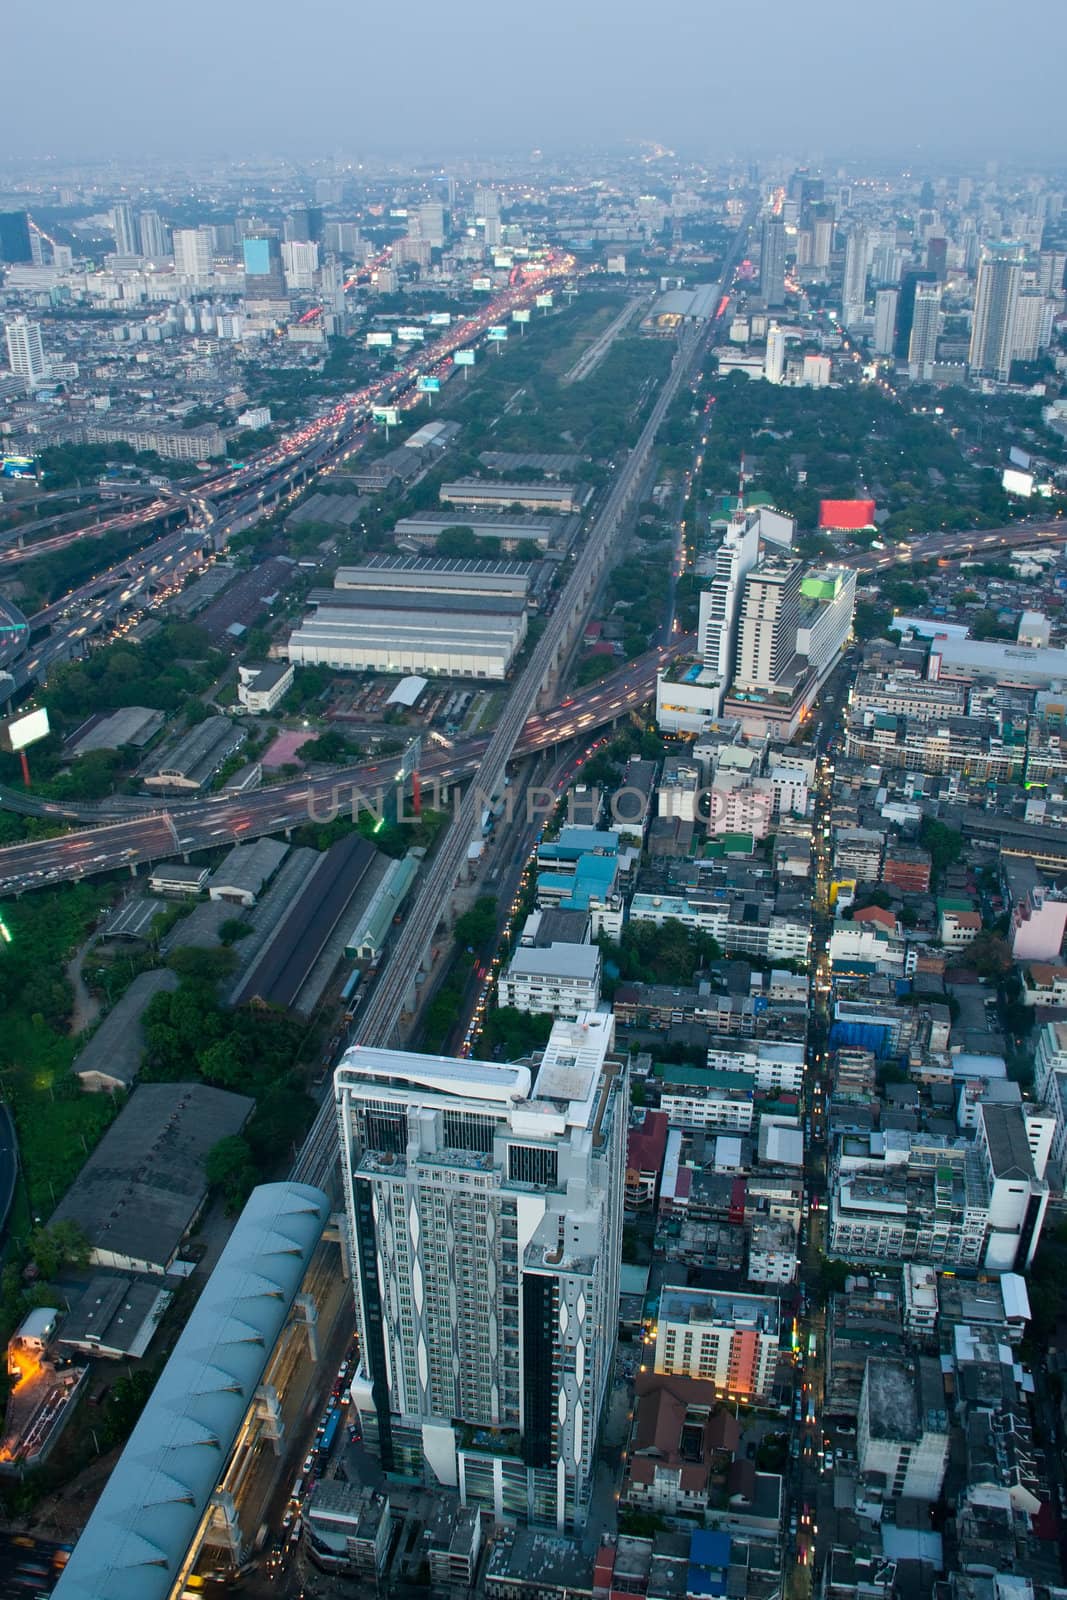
x=269 y=1415
x=306 y=1311
x=224 y=1530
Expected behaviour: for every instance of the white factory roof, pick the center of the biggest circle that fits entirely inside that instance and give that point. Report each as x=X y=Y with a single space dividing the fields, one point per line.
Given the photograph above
x=554 y=960
x=137 y=1537
x=407 y=691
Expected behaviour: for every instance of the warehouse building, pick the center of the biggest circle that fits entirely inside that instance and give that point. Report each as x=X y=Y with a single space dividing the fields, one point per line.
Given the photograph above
x=428 y=635
x=197 y=756
x=143 y=1188
x=112 y=1058
x=437 y=575
x=509 y=529
x=490 y=494
x=282 y=968
x=367 y=939
x=240 y=879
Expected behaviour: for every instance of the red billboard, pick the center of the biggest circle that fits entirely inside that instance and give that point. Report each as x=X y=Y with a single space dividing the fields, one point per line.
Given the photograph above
x=846 y=514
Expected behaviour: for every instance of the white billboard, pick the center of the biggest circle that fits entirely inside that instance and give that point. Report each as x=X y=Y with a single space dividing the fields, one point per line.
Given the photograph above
x=520 y=315
x=544 y=301
x=463 y=358
x=410 y=335
x=1019 y=483
x=484 y=284
x=387 y=414
x=26 y=730
x=379 y=341
x=498 y=333
x=441 y=319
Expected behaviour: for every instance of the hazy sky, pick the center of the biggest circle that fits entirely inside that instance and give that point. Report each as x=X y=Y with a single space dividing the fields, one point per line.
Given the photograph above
x=914 y=78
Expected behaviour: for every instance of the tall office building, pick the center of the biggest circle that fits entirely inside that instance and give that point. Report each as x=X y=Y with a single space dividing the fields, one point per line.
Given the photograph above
x=15 y=246
x=925 y=328
x=193 y=257
x=774 y=360
x=431 y=220
x=909 y=285
x=937 y=257
x=995 y=300
x=772 y=262
x=1032 y=328
x=885 y=321
x=487 y=204
x=300 y=259
x=263 y=269
x=822 y=236
x=767 y=635
x=124 y=229
x=484 y=1214
x=153 y=235
x=854 y=290
x=25 y=352
x=720 y=602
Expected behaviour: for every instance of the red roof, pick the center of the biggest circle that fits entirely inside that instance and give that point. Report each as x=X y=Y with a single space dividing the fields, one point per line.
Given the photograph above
x=845 y=514
x=878 y=914
x=647 y=1145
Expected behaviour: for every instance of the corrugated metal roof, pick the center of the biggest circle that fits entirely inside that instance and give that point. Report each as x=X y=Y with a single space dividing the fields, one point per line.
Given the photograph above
x=145 y=1520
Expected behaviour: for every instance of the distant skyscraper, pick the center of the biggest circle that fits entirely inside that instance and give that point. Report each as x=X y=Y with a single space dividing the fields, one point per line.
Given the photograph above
x=885 y=321
x=297 y=225
x=25 y=352
x=153 y=235
x=937 y=257
x=122 y=224
x=822 y=236
x=263 y=269
x=774 y=360
x=431 y=218
x=192 y=254
x=854 y=291
x=484 y=1217
x=770 y=610
x=300 y=259
x=909 y=283
x=486 y=204
x=772 y=262
x=925 y=327
x=15 y=237
x=1032 y=330
x=995 y=299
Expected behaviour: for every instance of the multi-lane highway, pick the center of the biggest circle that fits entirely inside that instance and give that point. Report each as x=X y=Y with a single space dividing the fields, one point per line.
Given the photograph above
x=956 y=546
x=218 y=504
x=184 y=826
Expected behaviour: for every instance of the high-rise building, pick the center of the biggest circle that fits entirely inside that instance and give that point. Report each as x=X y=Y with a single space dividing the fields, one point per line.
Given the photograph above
x=909 y=284
x=937 y=257
x=1032 y=330
x=774 y=360
x=122 y=225
x=15 y=244
x=822 y=236
x=484 y=1214
x=885 y=321
x=720 y=602
x=925 y=328
x=854 y=290
x=995 y=300
x=300 y=259
x=767 y=636
x=192 y=254
x=772 y=261
x=153 y=234
x=263 y=269
x=431 y=219
x=902 y=1427
x=487 y=204
x=25 y=352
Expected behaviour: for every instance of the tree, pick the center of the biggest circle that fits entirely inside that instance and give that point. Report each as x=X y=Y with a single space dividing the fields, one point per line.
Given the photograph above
x=63 y=1244
x=945 y=844
x=230 y=1168
x=234 y=928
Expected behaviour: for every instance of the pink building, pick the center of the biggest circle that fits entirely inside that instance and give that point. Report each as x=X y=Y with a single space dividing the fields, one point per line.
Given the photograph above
x=1037 y=925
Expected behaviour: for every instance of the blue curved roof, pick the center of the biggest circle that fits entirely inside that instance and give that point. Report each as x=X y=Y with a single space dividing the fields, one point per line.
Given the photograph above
x=147 y=1517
